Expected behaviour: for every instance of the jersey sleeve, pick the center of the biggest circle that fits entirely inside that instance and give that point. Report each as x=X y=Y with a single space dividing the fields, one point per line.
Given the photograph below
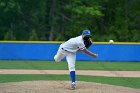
x=81 y=46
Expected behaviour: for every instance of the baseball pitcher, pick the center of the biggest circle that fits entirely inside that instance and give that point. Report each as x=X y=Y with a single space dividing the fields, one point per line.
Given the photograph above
x=69 y=49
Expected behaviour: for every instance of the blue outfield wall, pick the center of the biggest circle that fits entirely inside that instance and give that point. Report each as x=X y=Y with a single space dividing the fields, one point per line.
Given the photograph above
x=46 y=51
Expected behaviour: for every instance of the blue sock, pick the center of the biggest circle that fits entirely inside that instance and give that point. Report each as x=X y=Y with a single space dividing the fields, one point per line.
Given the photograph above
x=72 y=74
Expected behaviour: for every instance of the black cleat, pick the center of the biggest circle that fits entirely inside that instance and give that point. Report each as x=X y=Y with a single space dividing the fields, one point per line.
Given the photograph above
x=73 y=87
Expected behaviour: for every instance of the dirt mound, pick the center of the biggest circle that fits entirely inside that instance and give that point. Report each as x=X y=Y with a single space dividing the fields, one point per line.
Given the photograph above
x=62 y=87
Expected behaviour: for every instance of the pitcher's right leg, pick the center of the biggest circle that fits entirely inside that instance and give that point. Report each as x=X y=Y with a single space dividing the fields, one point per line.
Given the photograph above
x=60 y=55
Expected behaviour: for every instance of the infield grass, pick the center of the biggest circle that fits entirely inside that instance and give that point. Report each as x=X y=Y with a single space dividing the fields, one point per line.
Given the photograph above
x=119 y=81
x=80 y=65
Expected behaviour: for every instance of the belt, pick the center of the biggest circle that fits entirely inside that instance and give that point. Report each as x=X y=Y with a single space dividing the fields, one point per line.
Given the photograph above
x=64 y=49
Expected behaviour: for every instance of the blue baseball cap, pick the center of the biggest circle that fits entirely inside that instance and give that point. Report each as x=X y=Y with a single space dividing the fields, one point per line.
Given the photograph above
x=86 y=32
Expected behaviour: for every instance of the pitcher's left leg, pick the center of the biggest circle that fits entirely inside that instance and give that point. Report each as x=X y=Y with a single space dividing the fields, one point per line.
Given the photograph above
x=71 y=65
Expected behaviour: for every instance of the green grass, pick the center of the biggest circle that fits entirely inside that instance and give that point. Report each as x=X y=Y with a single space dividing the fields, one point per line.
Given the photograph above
x=120 y=81
x=80 y=65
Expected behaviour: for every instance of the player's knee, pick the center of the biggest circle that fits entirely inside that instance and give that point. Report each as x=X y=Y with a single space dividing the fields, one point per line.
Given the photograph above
x=72 y=68
x=56 y=59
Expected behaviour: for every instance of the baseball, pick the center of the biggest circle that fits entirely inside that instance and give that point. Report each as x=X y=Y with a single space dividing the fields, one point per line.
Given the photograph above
x=111 y=41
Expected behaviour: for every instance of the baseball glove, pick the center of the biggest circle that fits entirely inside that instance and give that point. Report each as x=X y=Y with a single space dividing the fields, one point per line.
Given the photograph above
x=88 y=43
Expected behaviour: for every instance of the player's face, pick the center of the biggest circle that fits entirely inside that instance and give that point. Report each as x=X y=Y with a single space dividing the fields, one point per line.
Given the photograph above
x=86 y=37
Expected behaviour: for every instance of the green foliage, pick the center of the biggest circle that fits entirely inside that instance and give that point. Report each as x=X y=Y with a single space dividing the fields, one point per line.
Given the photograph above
x=9 y=36
x=33 y=36
x=135 y=35
x=83 y=9
x=62 y=19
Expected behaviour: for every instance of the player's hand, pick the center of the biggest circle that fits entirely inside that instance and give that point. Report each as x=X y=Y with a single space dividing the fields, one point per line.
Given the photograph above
x=95 y=55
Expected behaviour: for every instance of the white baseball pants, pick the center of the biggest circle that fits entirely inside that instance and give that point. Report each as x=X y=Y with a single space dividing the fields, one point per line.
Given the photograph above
x=70 y=57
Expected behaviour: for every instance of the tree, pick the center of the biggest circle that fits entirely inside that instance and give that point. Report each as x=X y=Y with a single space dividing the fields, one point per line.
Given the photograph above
x=79 y=15
x=9 y=36
x=63 y=19
x=33 y=36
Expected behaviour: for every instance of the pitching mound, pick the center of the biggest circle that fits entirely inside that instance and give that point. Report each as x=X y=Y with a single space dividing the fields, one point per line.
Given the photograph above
x=62 y=87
